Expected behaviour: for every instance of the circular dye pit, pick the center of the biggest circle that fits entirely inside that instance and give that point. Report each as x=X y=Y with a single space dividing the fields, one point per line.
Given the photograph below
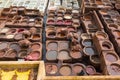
x=3 y=45
x=65 y=71
x=63 y=55
x=51 y=69
x=15 y=46
x=35 y=46
x=52 y=46
x=51 y=55
x=90 y=70
x=89 y=51
x=87 y=43
x=111 y=57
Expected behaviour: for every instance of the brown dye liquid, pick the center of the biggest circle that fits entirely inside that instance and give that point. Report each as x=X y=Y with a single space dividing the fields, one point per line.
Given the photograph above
x=63 y=55
x=36 y=37
x=52 y=34
x=2 y=35
x=89 y=51
x=52 y=46
x=35 y=46
x=87 y=18
x=99 y=2
x=3 y=45
x=76 y=55
x=51 y=69
x=111 y=57
x=100 y=36
x=65 y=71
x=92 y=1
x=91 y=26
x=103 y=12
x=2 y=53
x=51 y=55
x=77 y=69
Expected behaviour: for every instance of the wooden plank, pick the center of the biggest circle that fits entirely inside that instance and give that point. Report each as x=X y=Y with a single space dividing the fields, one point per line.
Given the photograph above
x=41 y=71
x=82 y=78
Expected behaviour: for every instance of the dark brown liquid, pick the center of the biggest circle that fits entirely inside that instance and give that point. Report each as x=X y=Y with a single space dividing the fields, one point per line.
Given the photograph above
x=99 y=2
x=106 y=17
x=36 y=37
x=87 y=18
x=52 y=34
x=95 y=58
x=106 y=46
x=2 y=35
x=91 y=26
x=112 y=26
